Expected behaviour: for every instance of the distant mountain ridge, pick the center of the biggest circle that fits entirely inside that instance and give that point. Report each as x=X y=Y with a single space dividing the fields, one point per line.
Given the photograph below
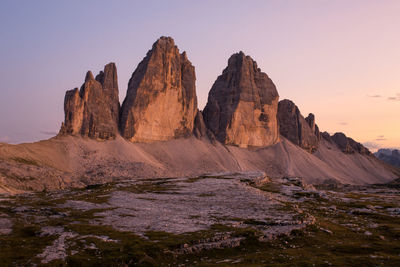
x=390 y=156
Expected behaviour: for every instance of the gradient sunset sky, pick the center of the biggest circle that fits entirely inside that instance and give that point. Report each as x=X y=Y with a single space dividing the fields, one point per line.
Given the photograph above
x=337 y=59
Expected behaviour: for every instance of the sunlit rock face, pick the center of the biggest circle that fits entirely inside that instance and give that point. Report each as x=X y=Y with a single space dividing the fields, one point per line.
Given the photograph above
x=93 y=111
x=242 y=105
x=161 y=102
x=293 y=126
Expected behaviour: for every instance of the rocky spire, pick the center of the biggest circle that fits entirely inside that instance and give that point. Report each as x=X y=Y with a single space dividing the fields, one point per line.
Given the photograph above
x=109 y=80
x=314 y=127
x=242 y=105
x=93 y=110
x=293 y=126
x=89 y=76
x=161 y=102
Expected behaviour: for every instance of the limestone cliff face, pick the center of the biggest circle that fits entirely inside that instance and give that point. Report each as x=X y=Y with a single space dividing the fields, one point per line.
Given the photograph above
x=109 y=81
x=293 y=126
x=348 y=145
x=93 y=110
x=242 y=105
x=161 y=102
x=314 y=127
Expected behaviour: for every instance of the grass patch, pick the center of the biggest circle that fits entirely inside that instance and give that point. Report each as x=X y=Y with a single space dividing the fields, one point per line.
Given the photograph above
x=21 y=246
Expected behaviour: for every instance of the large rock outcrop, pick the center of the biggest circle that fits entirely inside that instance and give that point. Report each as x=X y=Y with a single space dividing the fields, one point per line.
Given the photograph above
x=314 y=127
x=293 y=126
x=161 y=102
x=242 y=105
x=348 y=145
x=93 y=110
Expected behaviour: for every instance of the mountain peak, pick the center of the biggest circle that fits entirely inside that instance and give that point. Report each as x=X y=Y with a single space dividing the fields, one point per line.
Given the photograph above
x=161 y=102
x=242 y=103
x=94 y=111
x=89 y=76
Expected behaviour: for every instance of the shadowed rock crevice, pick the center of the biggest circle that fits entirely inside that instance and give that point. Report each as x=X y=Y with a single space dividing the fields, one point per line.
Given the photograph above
x=292 y=125
x=200 y=128
x=242 y=105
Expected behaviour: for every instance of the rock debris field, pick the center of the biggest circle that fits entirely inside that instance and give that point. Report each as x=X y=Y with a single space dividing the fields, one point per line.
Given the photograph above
x=182 y=220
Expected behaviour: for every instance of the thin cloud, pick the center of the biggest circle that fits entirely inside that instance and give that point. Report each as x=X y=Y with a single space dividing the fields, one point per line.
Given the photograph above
x=48 y=133
x=343 y=123
x=372 y=145
x=381 y=138
x=374 y=96
x=394 y=98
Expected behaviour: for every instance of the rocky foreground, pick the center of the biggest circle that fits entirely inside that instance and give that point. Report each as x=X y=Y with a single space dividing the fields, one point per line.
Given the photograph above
x=222 y=219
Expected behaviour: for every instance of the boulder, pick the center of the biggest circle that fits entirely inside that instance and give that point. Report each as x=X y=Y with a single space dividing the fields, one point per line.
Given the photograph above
x=242 y=105
x=93 y=111
x=161 y=102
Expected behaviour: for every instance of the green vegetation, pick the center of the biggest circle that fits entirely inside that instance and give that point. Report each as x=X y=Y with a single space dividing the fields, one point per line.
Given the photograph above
x=21 y=247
